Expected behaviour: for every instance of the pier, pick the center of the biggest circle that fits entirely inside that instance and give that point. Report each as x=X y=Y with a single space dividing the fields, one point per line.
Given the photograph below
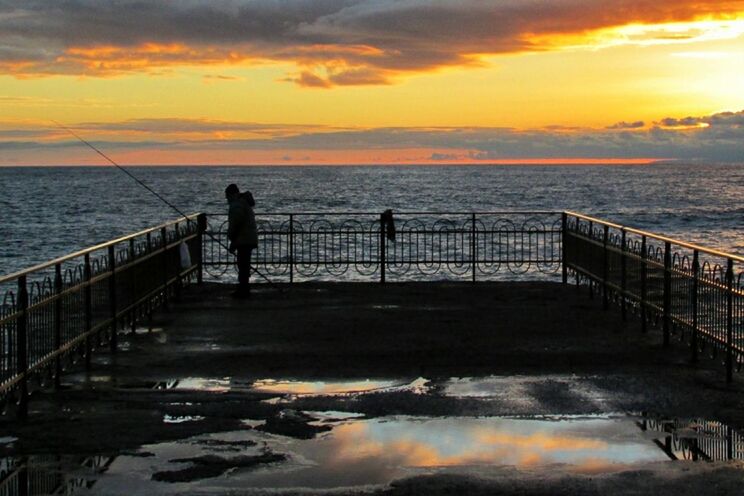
x=459 y=323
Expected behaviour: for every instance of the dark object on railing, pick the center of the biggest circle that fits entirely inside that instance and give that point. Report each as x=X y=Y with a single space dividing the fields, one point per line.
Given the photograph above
x=694 y=291
x=389 y=224
x=56 y=312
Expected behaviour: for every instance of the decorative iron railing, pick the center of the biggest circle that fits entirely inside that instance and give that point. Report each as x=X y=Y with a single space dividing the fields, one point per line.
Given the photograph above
x=354 y=246
x=58 y=312
x=694 y=292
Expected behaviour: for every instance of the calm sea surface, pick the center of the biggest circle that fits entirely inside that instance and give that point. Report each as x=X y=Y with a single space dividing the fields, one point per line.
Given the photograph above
x=49 y=212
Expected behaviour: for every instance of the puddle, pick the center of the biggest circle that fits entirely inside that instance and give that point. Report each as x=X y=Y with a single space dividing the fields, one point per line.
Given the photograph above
x=520 y=390
x=359 y=452
x=175 y=419
x=333 y=387
x=202 y=384
x=334 y=416
x=6 y=440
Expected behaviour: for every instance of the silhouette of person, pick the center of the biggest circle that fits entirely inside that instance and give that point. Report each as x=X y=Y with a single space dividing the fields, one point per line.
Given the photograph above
x=243 y=235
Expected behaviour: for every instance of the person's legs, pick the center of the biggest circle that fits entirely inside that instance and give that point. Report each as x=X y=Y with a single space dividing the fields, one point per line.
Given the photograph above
x=244 y=268
x=249 y=254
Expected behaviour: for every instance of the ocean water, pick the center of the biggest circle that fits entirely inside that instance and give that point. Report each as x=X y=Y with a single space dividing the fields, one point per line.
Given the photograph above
x=48 y=212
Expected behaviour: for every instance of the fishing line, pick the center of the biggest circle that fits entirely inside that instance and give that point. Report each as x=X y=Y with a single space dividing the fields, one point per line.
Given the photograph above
x=144 y=185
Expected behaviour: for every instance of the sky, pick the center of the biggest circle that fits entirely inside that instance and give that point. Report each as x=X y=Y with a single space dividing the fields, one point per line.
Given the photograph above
x=371 y=81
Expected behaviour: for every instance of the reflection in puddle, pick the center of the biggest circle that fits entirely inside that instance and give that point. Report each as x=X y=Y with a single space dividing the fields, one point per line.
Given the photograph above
x=371 y=452
x=203 y=384
x=174 y=419
x=320 y=387
x=375 y=452
x=333 y=387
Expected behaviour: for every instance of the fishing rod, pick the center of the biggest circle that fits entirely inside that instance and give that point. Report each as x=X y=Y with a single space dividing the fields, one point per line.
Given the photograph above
x=160 y=197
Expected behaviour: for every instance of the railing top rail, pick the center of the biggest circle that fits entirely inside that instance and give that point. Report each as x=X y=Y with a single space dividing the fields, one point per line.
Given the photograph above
x=65 y=258
x=403 y=212
x=659 y=237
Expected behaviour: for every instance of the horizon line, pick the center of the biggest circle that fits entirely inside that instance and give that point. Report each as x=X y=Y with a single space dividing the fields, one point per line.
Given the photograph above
x=554 y=162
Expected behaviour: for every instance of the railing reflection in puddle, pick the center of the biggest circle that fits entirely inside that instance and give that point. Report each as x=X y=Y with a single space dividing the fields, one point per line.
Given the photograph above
x=695 y=439
x=50 y=474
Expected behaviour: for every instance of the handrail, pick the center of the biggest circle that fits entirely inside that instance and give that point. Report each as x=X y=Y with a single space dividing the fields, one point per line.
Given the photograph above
x=402 y=212
x=65 y=258
x=666 y=239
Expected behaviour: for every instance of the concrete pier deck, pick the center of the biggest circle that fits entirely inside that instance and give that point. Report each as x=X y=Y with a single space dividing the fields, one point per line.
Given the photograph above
x=213 y=365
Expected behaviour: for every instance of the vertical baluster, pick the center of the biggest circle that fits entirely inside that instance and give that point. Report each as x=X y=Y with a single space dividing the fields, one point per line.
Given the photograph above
x=201 y=227
x=21 y=346
x=473 y=247
x=564 y=233
x=667 y=314
x=291 y=248
x=695 y=286
x=164 y=264
x=113 y=307
x=730 y=320
x=57 y=324
x=382 y=248
x=177 y=266
x=644 y=289
x=605 y=268
x=624 y=276
x=88 y=298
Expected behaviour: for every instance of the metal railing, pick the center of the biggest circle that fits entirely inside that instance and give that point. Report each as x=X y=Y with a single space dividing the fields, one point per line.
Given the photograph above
x=58 y=312
x=354 y=246
x=692 y=291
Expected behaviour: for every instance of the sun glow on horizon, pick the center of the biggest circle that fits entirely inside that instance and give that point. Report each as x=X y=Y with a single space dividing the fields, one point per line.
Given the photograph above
x=555 y=90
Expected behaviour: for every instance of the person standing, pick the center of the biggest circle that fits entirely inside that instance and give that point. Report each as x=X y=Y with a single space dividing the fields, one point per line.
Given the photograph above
x=243 y=235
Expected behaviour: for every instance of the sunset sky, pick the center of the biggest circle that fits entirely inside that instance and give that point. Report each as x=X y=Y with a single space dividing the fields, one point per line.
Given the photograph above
x=372 y=81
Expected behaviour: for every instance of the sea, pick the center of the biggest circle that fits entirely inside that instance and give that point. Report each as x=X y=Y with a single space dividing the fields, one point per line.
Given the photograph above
x=47 y=212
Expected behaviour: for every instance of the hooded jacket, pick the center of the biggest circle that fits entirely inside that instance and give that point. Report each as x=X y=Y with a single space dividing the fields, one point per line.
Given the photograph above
x=241 y=224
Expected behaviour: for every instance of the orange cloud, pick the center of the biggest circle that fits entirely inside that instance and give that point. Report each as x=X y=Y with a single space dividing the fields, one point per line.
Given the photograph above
x=335 y=43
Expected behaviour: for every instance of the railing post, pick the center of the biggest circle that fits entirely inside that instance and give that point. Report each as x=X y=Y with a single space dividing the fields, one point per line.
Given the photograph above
x=291 y=248
x=21 y=346
x=57 y=324
x=164 y=264
x=382 y=248
x=591 y=281
x=564 y=226
x=624 y=276
x=179 y=282
x=730 y=321
x=605 y=269
x=644 y=289
x=667 y=316
x=132 y=287
x=695 y=285
x=113 y=306
x=88 y=297
x=201 y=227
x=473 y=247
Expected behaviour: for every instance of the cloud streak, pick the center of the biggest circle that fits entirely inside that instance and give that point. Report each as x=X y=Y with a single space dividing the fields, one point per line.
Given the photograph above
x=332 y=42
x=717 y=138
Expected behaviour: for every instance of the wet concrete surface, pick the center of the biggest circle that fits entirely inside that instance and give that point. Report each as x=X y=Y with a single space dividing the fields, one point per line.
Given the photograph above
x=388 y=386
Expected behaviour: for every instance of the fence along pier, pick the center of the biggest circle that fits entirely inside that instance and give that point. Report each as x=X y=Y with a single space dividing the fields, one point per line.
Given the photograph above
x=59 y=312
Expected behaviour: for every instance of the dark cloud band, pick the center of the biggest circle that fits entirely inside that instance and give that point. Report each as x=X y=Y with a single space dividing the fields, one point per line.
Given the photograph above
x=357 y=41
